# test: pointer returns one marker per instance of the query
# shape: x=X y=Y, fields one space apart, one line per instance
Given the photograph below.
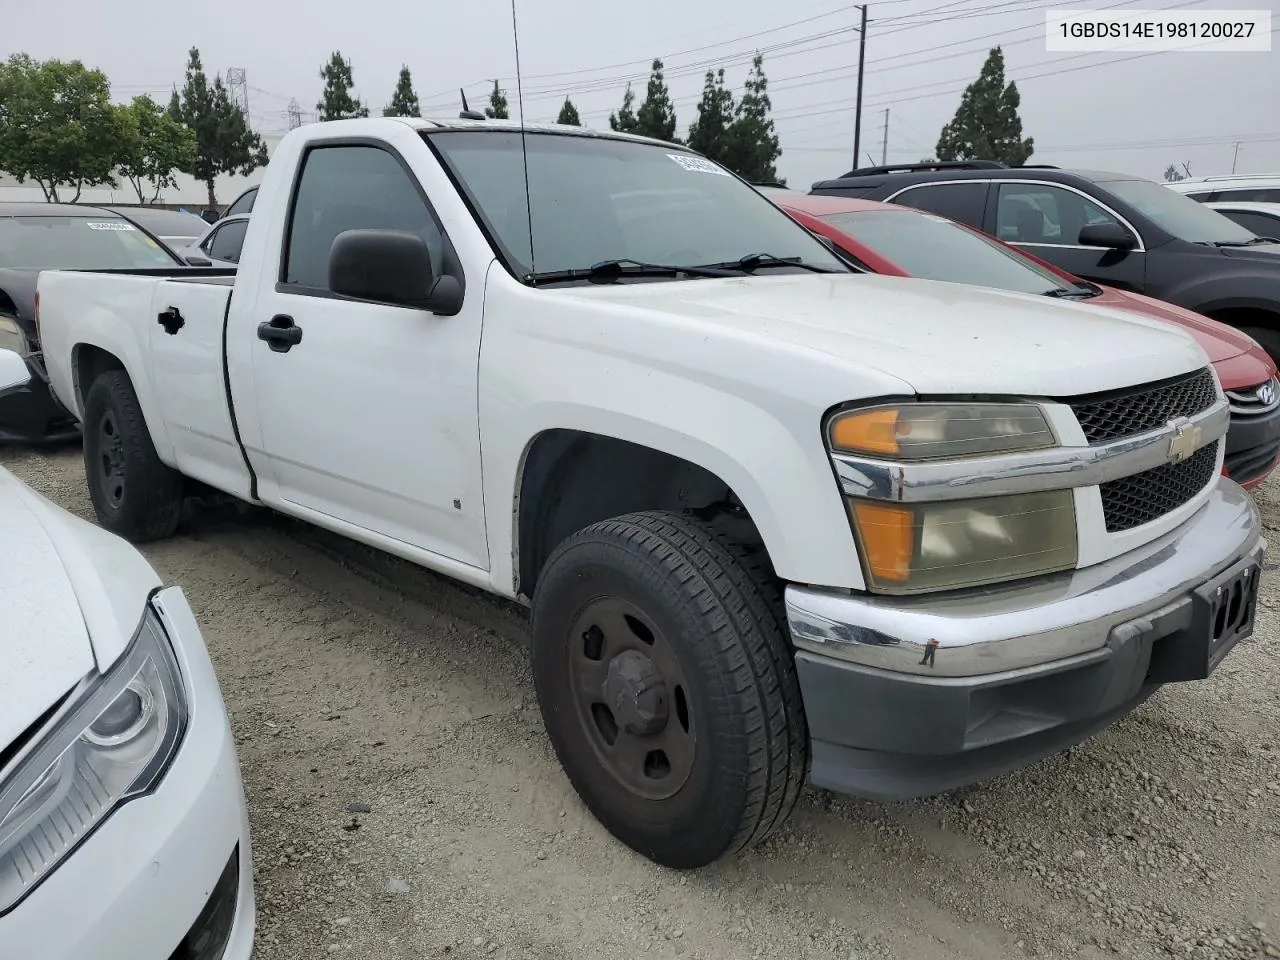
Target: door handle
x=280 y=333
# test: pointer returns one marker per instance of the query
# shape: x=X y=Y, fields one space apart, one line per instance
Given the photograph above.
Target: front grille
x=1255 y=400
x=1132 y=501
x=1122 y=413
x=1252 y=462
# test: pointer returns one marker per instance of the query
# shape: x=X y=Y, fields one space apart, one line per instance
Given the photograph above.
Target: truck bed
x=180 y=371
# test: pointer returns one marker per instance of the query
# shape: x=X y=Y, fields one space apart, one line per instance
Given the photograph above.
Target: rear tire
x=655 y=631
x=134 y=494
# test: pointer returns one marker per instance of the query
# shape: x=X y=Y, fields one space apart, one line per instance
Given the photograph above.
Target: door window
x=227 y=240
x=352 y=188
x=1262 y=194
x=1038 y=213
x=244 y=203
x=955 y=200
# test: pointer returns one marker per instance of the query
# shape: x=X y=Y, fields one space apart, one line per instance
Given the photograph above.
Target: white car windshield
x=601 y=199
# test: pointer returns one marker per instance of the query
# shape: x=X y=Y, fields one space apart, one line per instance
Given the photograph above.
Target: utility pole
x=862 y=56
x=295 y=115
x=1235 y=156
x=884 y=141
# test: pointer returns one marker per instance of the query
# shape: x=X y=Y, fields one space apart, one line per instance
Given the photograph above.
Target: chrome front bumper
x=1055 y=618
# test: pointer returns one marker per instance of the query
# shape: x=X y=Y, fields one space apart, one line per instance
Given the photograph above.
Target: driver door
x=370 y=419
x=1046 y=219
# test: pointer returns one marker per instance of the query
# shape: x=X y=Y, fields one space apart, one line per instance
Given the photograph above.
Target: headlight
x=913 y=548
x=113 y=745
x=932 y=431
x=12 y=337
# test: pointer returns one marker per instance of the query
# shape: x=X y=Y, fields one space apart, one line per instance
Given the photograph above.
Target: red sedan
x=902 y=241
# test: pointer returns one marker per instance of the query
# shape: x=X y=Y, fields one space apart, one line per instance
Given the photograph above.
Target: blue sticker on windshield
x=697 y=164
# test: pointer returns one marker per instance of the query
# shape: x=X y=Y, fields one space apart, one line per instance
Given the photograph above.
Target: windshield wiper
x=1080 y=291
x=756 y=261
x=1245 y=243
x=607 y=271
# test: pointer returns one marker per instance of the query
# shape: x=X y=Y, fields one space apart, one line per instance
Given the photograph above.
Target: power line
x=893 y=97
x=774 y=52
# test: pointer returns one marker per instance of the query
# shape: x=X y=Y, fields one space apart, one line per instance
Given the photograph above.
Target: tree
x=497 y=108
x=1172 y=174
x=336 y=102
x=657 y=115
x=624 y=121
x=709 y=134
x=569 y=114
x=155 y=145
x=224 y=142
x=986 y=125
x=58 y=126
x=404 y=102
x=752 y=143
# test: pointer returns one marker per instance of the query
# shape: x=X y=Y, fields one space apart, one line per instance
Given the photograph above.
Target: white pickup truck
x=775 y=518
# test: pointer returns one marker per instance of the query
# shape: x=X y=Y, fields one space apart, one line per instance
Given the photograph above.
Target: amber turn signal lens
x=871 y=431
x=888 y=538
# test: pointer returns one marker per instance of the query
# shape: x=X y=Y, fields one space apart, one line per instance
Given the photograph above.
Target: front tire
x=134 y=494
x=668 y=687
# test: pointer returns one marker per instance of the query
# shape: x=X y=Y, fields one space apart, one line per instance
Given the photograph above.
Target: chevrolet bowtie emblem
x=1185 y=440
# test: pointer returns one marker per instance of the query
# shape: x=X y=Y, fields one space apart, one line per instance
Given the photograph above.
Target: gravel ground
x=406 y=804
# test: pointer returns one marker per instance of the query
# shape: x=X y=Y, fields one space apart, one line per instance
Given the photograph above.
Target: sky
x=1124 y=112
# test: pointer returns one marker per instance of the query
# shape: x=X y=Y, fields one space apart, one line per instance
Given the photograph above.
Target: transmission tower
x=295 y=114
x=238 y=89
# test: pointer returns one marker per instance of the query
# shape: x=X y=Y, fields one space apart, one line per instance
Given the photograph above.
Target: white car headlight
x=114 y=744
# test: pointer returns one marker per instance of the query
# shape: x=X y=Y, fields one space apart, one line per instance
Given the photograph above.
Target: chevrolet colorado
x=775 y=519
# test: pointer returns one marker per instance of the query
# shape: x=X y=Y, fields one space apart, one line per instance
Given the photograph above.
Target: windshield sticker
x=697 y=164
x=109 y=225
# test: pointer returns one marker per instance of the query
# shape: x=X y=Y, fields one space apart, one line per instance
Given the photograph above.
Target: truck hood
x=71 y=597
x=1219 y=341
x=936 y=337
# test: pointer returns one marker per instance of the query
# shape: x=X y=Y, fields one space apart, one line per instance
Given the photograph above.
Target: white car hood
x=937 y=337
x=71 y=597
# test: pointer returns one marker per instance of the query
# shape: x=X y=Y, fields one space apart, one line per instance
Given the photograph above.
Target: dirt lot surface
x=406 y=804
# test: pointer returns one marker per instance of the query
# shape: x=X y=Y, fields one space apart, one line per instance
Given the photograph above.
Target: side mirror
x=1110 y=235
x=210 y=216
x=13 y=371
x=194 y=261
x=391 y=266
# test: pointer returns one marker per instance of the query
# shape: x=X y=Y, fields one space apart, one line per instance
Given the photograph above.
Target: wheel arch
x=570 y=478
x=89 y=361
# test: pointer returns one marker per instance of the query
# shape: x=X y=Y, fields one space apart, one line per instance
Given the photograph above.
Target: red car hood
x=1218 y=340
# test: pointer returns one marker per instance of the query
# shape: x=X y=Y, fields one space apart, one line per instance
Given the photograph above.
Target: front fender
x=748 y=412
x=1236 y=291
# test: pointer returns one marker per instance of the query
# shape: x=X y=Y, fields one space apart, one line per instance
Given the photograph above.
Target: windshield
x=597 y=199
x=934 y=248
x=77 y=243
x=168 y=223
x=1177 y=214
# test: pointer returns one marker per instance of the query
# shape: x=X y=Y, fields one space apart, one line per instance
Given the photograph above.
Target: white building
x=192 y=194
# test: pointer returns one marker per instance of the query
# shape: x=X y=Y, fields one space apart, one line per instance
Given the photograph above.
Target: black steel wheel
x=135 y=495
x=667 y=686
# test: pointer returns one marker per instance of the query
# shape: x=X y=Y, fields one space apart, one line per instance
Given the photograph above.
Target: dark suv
x=1111 y=228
